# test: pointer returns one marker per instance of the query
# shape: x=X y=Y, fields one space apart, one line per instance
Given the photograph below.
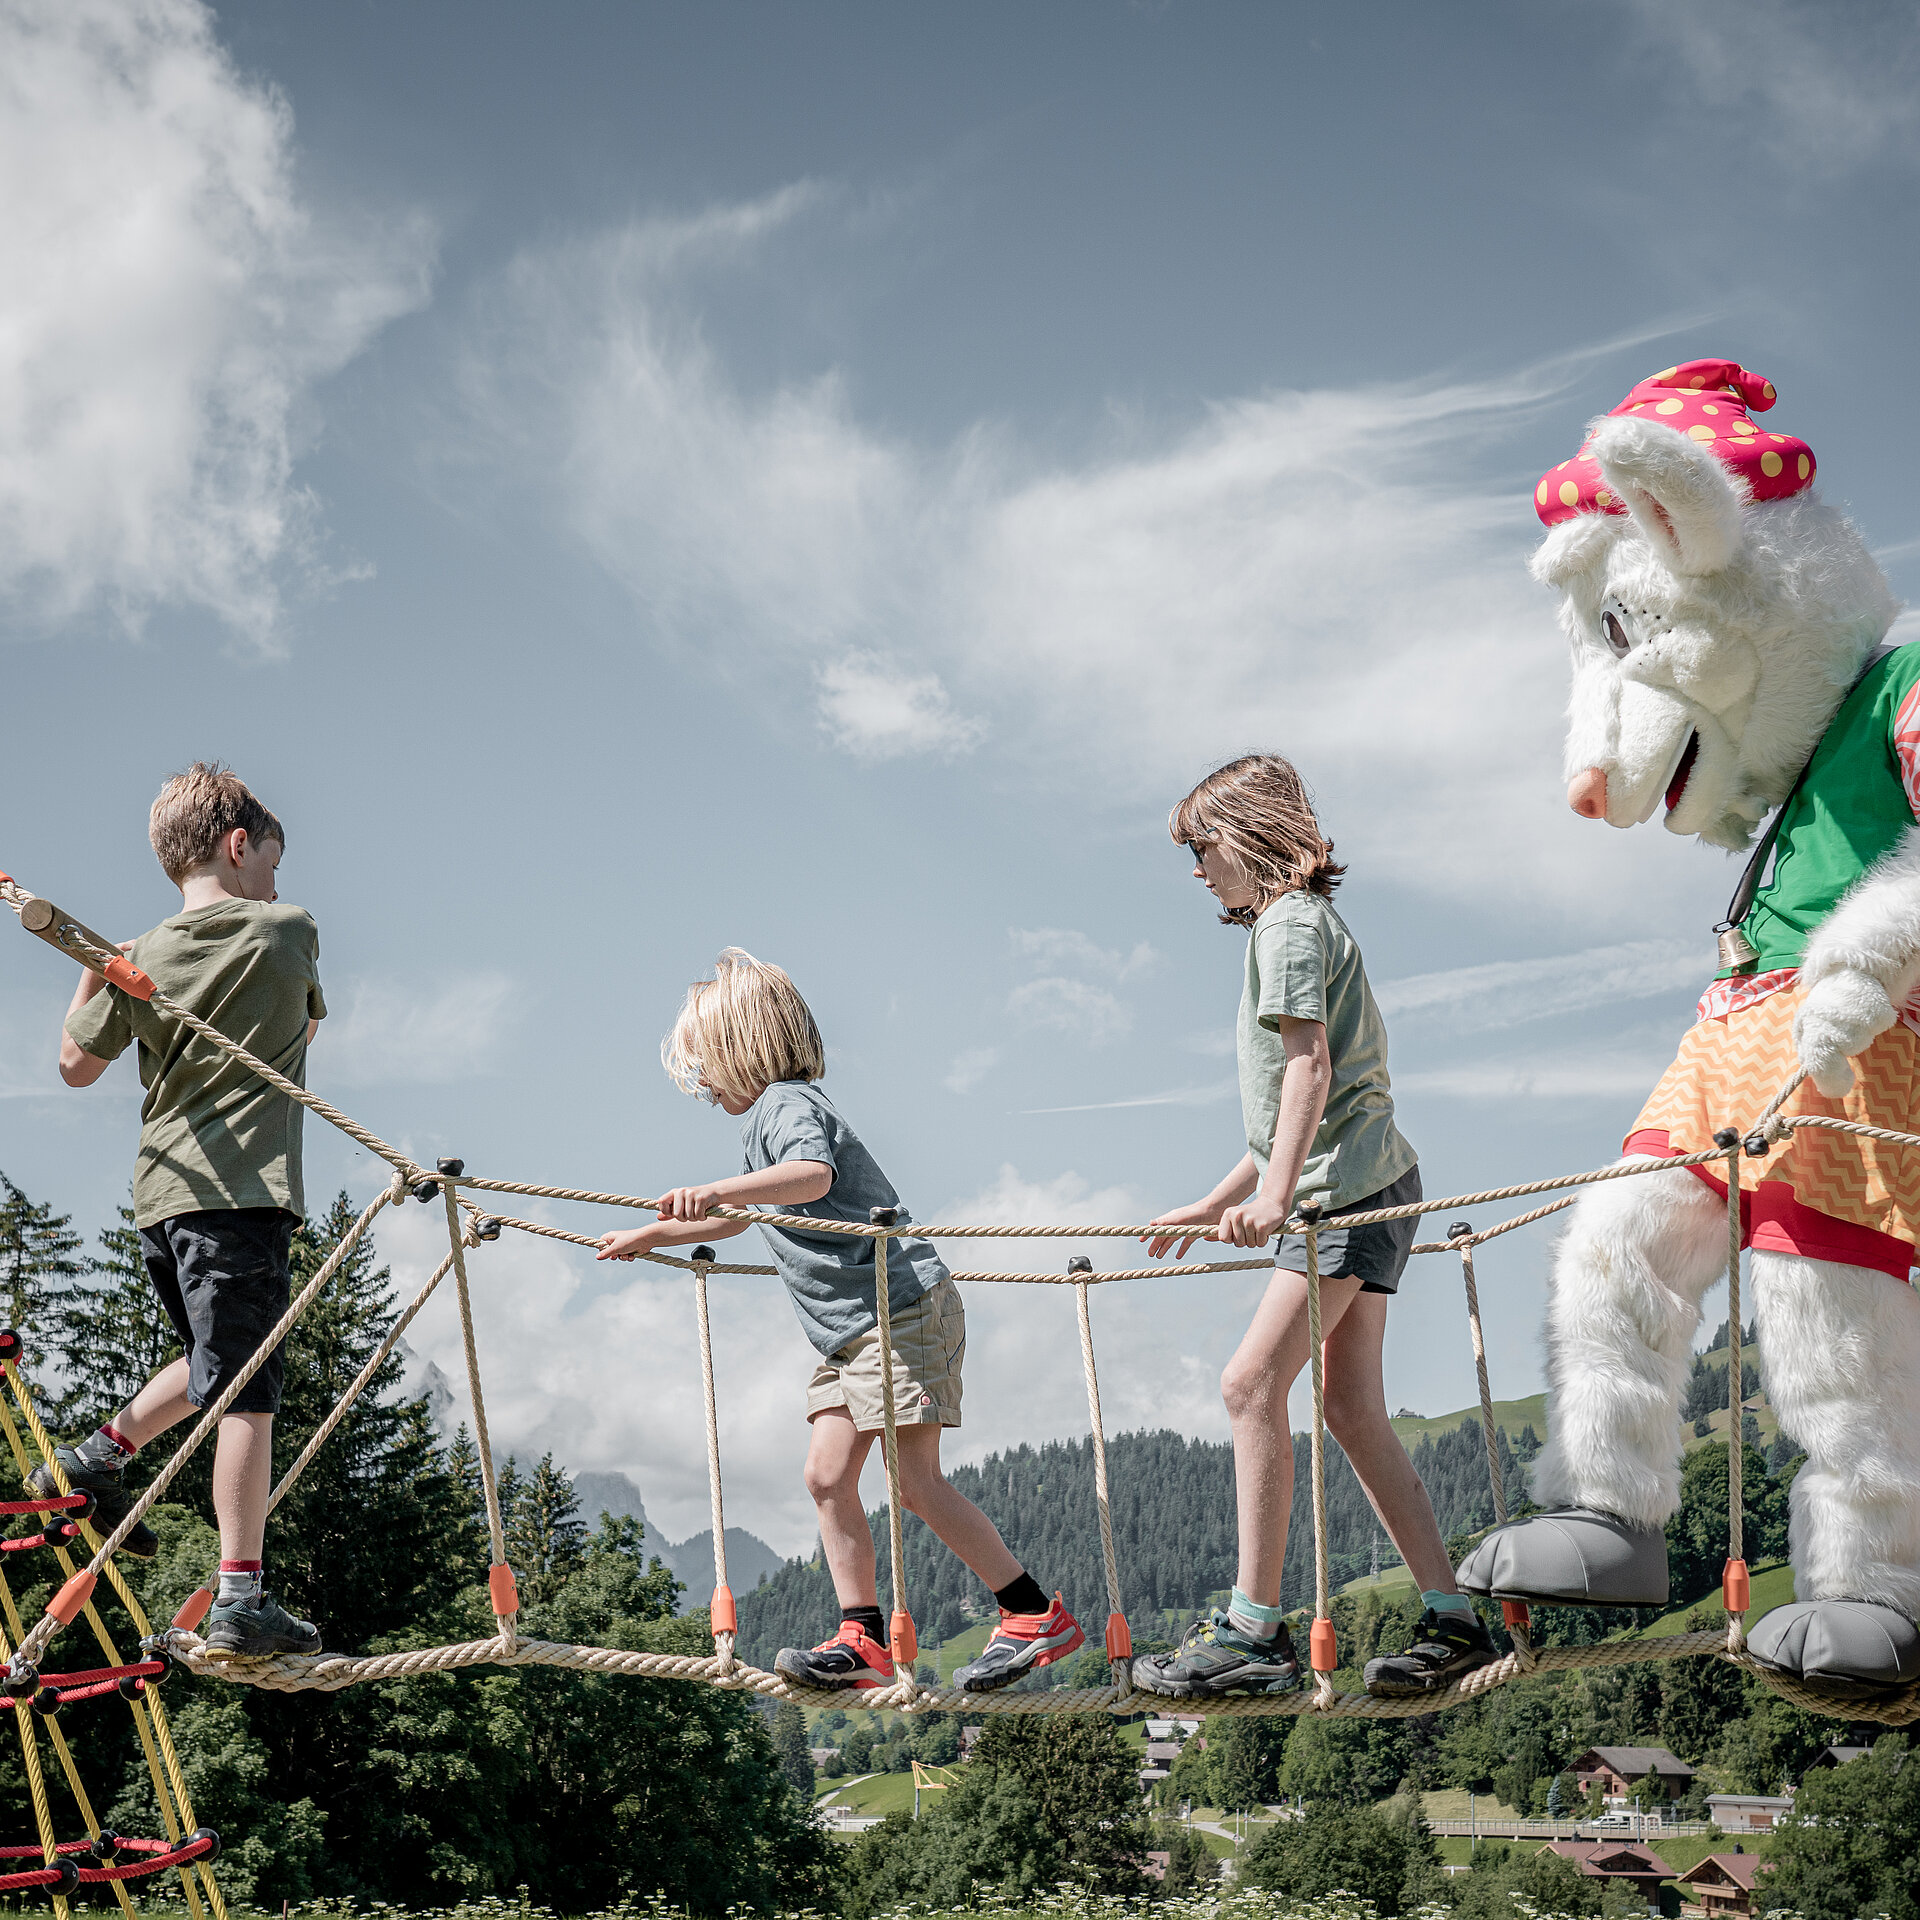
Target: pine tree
x=111 y=1335
x=39 y=1265
x=546 y=1542
x=790 y=1744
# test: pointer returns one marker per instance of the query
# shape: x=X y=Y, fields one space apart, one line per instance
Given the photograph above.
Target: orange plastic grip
x=66 y=1604
x=193 y=1609
x=501 y=1589
x=901 y=1637
x=1734 y=1588
x=720 y=1614
x=1119 y=1637
x=1321 y=1647
x=1515 y=1614
x=128 y=978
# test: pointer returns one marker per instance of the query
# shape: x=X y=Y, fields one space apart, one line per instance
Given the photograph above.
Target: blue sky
x=623 y=480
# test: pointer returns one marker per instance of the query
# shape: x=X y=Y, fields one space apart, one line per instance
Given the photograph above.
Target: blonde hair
x=742 y=1030
x=196 y=810
x=1257 y=808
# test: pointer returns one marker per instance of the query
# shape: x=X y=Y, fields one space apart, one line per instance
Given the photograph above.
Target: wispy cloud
x=1201 y=1096
x=1064 y=947
x=970 y=1067
x=382 y=1033
x=1507 y=993
x=167 y=303
x=1575 y=1076
x=1069 y=1006
x=1118 y=620
x=1832 y=87
x=874 y=711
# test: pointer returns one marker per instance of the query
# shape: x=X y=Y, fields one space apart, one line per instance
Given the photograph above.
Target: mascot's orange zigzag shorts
x=1822 y=1195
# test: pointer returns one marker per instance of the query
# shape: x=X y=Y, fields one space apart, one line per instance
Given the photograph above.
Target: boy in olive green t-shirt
x=217 y=1189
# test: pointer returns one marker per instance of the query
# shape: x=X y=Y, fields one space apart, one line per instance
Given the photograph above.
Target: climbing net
x=469 y=1227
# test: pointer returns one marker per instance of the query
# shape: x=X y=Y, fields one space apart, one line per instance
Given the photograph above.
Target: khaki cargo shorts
x=929 y=1343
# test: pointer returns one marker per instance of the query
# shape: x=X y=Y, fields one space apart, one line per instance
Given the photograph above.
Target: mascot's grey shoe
x=1574 y=1557
x=1845 y=1648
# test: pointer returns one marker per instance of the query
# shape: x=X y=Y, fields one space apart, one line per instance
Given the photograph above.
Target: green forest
x=586 y=1791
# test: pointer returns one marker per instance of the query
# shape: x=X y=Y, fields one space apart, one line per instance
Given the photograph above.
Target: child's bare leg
x=924 y=1490
x=1357 y=1418
x=242 y=1480
x=836 y=1452
x=160 y=1404
x=1255 y=1386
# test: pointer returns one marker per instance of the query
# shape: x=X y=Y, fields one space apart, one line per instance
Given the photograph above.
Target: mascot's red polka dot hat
x=1709 y=401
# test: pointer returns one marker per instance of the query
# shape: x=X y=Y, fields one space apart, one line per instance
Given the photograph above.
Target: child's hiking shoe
x=1021 y=1643
x=852 y=1658
x=254 y=1629
x=1446 y=1645
x=1216 y=1658
x=110 y=1499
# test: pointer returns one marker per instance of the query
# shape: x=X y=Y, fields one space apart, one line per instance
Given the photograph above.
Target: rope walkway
x=468 y=1229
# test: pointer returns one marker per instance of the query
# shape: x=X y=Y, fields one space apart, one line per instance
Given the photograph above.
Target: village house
x=1748 y=1812
x=1721 y=1884
x=1618 y=1770
x=1829 y=1757
x=1629 y=1862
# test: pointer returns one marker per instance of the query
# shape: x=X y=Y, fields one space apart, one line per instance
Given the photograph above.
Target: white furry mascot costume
x=1728 y=658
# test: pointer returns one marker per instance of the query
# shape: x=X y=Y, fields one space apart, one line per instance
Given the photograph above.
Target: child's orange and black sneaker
x=854 y=1657
x=1021 y=1643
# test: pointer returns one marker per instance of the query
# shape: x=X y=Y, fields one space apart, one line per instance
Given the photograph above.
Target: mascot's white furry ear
x=1680 y=495
x=1574 y=547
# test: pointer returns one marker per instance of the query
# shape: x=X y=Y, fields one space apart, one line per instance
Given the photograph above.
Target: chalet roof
x=1611 y=1857
x=1624 y=1760
x=1738 y=1868
x=1837 y=1756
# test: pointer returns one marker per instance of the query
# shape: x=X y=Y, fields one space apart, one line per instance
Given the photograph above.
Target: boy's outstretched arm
x=78 y=1068
x=630 y=1242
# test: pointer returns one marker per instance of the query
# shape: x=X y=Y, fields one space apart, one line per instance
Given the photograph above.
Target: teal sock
x=1251 y=1618
x=1446 y=1602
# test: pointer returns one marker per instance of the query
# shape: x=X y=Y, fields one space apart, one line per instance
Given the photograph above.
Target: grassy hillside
x=1772 y=1585
x=1510 y=1416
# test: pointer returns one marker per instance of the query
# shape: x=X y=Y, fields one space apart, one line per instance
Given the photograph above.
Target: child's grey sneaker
x=1216 y=1658
x=110 y=1499
x=1446 y=1644
x=255 y=1629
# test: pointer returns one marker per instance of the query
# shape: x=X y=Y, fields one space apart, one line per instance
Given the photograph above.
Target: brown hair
x=197 y=809
x=1257 y=808
x=742 y=1030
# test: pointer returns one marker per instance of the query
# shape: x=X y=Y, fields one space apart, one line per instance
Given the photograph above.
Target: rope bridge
x=469 y=1228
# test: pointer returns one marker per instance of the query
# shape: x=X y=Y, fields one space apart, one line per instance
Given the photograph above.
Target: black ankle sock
x=868 y=1618
x=1022 y=1596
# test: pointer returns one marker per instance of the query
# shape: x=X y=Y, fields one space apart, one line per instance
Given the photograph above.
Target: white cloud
x=1061 y=947
x=970 y=1067
x=1508 y=993
x=1566 y=1076
x=167 y=302
x=875 y=712
x=1201 y=1096
x=1075 y=1007
x=1830 y=86
x=380 y=1033
x=1326 y=571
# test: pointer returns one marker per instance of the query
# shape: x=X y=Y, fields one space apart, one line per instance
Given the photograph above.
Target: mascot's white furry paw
x=1842 y=1015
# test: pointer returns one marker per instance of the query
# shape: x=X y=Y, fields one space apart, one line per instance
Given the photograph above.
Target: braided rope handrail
x=331 y=1672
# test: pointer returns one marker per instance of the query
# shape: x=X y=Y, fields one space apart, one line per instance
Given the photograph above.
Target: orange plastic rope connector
x=1119 y=1637
x=500 y=1586
x=901 y=1638
x=1322 y=1649
x=1515 y=1614
x=66 y=1604
x=1735 y=1589
x=721 y=1617
x=193 y=1609
x=128 y=978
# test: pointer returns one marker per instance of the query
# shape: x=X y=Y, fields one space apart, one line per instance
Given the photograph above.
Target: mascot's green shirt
x=1860 y=795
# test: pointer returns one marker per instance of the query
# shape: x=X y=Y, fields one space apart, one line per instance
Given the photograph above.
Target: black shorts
x=1377 y=1254
x=223 y=1279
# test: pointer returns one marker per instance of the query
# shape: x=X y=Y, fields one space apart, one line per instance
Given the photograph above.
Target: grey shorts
x=223 y=1279
x=1376 y=1254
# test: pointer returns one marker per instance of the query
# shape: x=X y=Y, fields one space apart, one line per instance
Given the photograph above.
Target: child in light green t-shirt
x=1320 y=1129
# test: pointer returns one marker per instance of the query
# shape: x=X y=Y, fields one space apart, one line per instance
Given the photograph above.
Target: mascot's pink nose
x=1587 y=794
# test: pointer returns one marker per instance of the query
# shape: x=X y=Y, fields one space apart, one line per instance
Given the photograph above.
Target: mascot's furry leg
x=1841 y=1349
x=1627 y=1282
